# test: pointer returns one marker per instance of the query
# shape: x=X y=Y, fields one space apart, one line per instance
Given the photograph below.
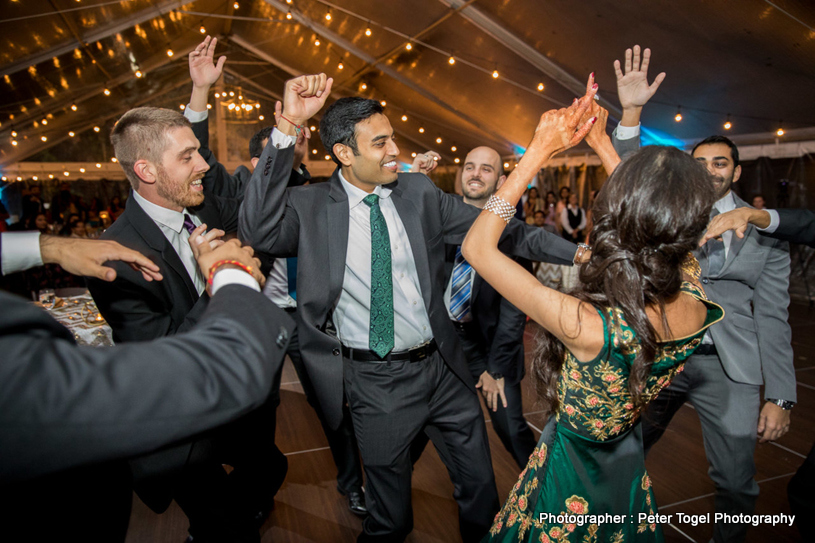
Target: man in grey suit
x=747 y=276
x=373 y=326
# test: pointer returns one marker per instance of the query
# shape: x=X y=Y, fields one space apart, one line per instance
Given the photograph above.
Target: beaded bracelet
x=297 y=127
x=220 y=263
x=500 y=207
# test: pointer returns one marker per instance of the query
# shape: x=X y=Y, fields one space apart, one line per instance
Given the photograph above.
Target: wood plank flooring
x=309 y=509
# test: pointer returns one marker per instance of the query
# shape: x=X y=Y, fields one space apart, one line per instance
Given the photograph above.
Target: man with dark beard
x=748 y=276
x=159 y=154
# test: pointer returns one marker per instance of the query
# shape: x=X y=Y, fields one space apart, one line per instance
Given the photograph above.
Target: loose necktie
x=715 y=252
x=291 y=272
x=381 y=323
x=461 y=287
x=188 y=224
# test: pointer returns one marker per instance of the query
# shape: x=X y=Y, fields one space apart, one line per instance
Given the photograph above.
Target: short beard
x=172 y=192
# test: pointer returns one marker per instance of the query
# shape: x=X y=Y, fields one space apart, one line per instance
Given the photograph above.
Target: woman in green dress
x=610 y=346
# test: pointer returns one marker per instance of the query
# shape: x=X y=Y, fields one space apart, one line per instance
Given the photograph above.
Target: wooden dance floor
x=308 y=507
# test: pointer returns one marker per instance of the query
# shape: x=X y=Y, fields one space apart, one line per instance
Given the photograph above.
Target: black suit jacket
x=311 y=222
x=796 y=225
x=70 y=415
x=500 y=324
x=138 y=310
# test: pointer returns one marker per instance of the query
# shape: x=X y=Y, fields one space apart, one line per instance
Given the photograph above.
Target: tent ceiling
x=753 y=59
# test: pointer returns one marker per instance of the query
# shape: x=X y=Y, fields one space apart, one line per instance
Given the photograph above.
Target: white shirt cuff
x=232 y=276
x=774 y=222
x=281 y=140
x=195 y=116
x=627 y=132
x=21 y=251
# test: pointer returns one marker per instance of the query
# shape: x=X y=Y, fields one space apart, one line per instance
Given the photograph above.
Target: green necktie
x=381 y=334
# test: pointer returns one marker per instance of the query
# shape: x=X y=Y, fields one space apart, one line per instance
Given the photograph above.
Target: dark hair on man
x=539 y=211
x=339 y=123
x=648 y=217
x=256 y=143
x=734 y=151
x=141 y=133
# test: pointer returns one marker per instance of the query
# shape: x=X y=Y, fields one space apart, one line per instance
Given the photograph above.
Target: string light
x=209 y=106
x=13 y=133
x=368 y=32
x=98 y=165
x=438 y=140
x=261 y=117
x=43 y=138
x=35 y=178
x=314 y=151
x=317 y=43
x=451 y=60
x=328 y=15
x=181 y=106
x=236 y=5
x=288 y=15
x=413 y=155
x=288 y=1
x=408 y=46
x=71 y=133
x=421 y=130
x=313 y=128
x=327 y=157
x=383 y=103
x=454 y=148
x=14 y=143
x=506 y=165
x=495 y=74
x=678 y=116
x=202 y=30
x=340 y=66
x=727 y=124
x=780 y=132
x=114 y=159
x=457 y=160
x=96 y=129
x=169 y=52
x=138 y=73
x=541 y=87
x=44 y=121
x=363 y=86
x=81 y=170
x=73 y=107
x=404 y=118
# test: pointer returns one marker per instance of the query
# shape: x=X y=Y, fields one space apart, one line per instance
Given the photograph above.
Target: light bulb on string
x=288 y=15
x=202 y=30
x=727 y=124
x=383 y=103
x=72 y=134
x=413 y=155
x=328 y=15
x=317 y=43
x=73 y=107
x=404 y=118
x=421 y=130
x=780 y=132
x=451 y=60
x=457 y=160
x=340 y=66
x=236 y=5
x=13 y=133
x=43 y=138
x=408 y=46
x=368 y=32
x=138 y=73
x=96 y=129
x=454 y=148
x=438 y=140
x=541 y=87
x=364 y=86
x=678 y=116
x=495 y=74
x=261 y=117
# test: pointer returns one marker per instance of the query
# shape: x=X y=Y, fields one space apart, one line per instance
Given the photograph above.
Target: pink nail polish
x=592 y=75
x=593 y=120
x=595 y=86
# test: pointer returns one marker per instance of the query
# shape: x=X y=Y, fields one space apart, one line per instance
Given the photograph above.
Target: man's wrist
x=631 y=116
x=786 y=405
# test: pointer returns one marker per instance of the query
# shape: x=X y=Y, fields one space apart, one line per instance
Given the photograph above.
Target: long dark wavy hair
x=648 y=216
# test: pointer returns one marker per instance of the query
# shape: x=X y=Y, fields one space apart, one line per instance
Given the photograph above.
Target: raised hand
x=204 y=72
x=301 y=143
x=303 y=97
x=425 y=162
x=633 y=89
x=561 y=129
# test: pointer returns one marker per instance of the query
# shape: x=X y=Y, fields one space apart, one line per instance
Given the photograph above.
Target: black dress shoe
x=356 y=503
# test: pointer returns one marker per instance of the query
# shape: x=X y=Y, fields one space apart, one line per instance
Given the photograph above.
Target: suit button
x=335 y=352
x=282 y=337
x=705 y=281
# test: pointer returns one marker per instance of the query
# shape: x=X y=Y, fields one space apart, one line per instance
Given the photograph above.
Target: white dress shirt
x=353 y=314
x=723 y=205
x=171 y=224
x=277 y=285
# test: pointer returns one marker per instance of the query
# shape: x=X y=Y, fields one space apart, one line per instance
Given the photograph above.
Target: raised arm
x=578 y=327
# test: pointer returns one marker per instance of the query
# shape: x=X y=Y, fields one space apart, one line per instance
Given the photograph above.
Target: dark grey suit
x=69 y=415
x=312 y=222
x=753 y=348
x=796 y=226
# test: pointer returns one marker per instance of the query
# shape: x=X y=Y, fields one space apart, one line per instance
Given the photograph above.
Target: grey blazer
x=311 y=222
x=753 y=340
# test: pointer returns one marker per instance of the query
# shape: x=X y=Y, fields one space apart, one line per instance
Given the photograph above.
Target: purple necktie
x=188 y=224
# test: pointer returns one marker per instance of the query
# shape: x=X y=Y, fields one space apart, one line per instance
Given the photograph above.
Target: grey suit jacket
x=796 y=226
x=753 y=340
x=311 y=222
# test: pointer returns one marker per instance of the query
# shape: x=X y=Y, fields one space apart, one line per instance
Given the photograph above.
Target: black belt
x=414 y=355
x=706 y=349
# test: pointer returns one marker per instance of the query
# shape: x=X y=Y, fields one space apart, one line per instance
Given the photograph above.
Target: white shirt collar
x=725 y=203
x=356 y=194
x=173 y=220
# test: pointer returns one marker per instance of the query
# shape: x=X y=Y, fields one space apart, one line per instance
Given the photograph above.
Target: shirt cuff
x=21 y=251
x=281 y=140
x=775 y=220
x=232 y=276
x=627 y=132
x=195 y=116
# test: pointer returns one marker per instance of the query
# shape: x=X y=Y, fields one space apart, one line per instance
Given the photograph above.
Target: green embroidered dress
x=589 y=466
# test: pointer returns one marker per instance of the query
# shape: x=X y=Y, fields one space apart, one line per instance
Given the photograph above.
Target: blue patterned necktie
x=715 y=252
x=381 y=324
x=461 y=287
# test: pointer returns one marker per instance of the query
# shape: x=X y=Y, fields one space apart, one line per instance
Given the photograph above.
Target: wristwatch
x=497 y=375
x=786 y=405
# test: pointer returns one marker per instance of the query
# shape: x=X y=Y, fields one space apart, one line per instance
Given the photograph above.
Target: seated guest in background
x=758 y=202
x=157 y=150
x=63 y=440
x=610 y=347
x=39 y=222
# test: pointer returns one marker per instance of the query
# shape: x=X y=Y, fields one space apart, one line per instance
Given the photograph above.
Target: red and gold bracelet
x=221 y=263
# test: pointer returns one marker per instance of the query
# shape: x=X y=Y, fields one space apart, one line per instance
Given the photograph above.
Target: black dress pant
x=391 y=403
